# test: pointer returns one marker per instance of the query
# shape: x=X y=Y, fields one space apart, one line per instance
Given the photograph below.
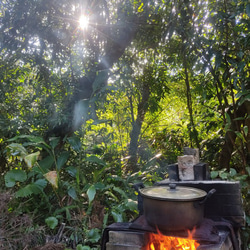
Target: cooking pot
x=174 y=207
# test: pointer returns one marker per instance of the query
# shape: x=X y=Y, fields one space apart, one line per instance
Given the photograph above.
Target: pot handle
x=209 y=194
x=137 y=186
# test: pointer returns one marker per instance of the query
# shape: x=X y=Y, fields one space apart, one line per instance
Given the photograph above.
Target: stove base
x=134 y=240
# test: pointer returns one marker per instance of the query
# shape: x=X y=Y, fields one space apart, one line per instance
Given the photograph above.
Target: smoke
x=80 y=113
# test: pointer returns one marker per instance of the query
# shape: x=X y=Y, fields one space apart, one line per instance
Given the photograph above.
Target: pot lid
x=173 y=193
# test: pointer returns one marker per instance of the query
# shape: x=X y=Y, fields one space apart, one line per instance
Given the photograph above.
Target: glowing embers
x=162 y=242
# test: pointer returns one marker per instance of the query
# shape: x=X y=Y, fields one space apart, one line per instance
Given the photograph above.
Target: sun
x=83 y=22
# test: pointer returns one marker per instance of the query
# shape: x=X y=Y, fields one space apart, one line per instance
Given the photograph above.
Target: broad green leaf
x=72 y=193
x=223 y=175
x=17 y=149
x=46 y=163
x=75 y=143
x=100 y=186
x=117 y=216
x=13 y=176
x=31 y=138
x=81 y=247
x=94 y=235
x=214 y=174
x=31 y=159
x=239 y=135
x=72 y=171
x=41 y=182
x=244 y=99
x=33 y=188
x=232 y=172
x=97 y=174
x=120 y=191
x=51 y=222
x=62 y=159
x=54 y=141
x=91 y=192
x=95 y=159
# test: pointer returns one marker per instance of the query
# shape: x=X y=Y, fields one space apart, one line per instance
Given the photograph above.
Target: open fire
x=162 y=242
x=223 y=216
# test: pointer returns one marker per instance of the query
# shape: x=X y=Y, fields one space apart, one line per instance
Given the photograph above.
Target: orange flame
x=162 y=242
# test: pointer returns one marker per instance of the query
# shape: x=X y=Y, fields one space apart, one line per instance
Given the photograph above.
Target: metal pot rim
x=168 y=193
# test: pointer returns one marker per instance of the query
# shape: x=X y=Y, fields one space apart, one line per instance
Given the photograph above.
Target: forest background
x=90 y=107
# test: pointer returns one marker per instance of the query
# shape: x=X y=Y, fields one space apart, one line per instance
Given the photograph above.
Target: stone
x=186 y=167
x=194 y=152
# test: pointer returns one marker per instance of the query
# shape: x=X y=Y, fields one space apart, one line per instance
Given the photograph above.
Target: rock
x=186 y=167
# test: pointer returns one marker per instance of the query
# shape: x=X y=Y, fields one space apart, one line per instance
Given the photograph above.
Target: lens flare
x=83 y=22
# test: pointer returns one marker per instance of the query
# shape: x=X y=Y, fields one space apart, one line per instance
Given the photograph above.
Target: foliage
x=17 y=230
x=145 y=79
x=75 y=199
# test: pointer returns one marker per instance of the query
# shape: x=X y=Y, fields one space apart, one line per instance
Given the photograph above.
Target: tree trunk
x=136 y=129
x=192 y=131
x=230 y=137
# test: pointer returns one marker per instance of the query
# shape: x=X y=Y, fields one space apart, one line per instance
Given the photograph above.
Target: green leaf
x=51 y=222
x=232 y=172
x=223 y=175
x=54 y=141
x=248 y=170
x=131 y=205
x=99 y=186
x=218 y=60
x=91 y=192
x=245 y=129
x=95 y=159
x=120 y=191
x=100 y=79
x=31 y=138
x=13 y=176
x=46 y=163
x=41 y=183
x=62 y=159
x=72 y=171
x=228 y=118
x=17 y=149
x=248 y=9
x=72 y=193
x=241 y=66
x=117 y=216
x=94 y=235
x=31 y=159
x=75 y=143
x=101 y=121
x=81 y=247
x=214 y=174
x=33 y=188
x=239 y=135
